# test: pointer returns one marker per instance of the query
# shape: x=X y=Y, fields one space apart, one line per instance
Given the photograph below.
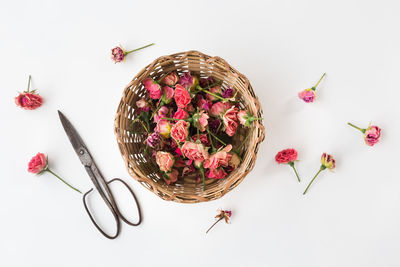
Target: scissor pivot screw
x=81 y=152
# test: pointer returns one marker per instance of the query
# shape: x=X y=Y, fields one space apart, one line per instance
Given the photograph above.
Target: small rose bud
x=308 y=95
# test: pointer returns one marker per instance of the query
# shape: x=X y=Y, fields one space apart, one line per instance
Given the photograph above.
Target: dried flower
x=180 y=131
x=118 y=53
x=245 y=118
x=222 y=214
x=171 y=177
x=153 y=88
x=142 y=105
x=167 y=94
x=214 y=125
x=165 y=161
x=170 y=79
x=29 y=100
x=230 y=121
x=163 y=127
x=308 y=95
x=288 y=156
x=39 y=164
x=154 y=140
x=327 y=162
x=182 y=96
x=227 y=93
x=204 y=82
x=371 y=135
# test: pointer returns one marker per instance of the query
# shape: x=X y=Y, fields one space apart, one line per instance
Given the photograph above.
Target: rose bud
x=161 y=113
x=118 y=54
x=230 y=121
x=165 y=161
x=171 y=177
x=29 y=100
x=39 y=164
x=219 y=108
x=308 y=95
x=153 y=88
x=201 y=120
x=222 y=215
x=168 y=94
x=170 y=79
x=182 y=96
x=180 y=131
x=288 y=156
x=142 y=105
x=245 y=118
x=327 y=162
x=154 y=140
x=163 y=127
x=371 y=135
x=181 y=114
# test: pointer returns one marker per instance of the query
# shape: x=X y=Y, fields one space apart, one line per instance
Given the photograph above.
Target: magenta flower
x=308 y=95
x=371 y=135
x=227 y=93
x=154 y=140
x=118 y=54
x=186 y=80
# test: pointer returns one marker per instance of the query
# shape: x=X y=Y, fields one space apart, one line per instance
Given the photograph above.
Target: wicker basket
x=142 y=166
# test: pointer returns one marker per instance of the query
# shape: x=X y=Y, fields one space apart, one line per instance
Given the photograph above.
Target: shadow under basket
x=143 y=167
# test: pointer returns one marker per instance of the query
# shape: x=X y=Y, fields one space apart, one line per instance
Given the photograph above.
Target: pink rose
x=142 y=105
x=203 y=121
x=307 y=95
x=219 y=158
x=165 y=160
x=219 y=108
x=171 y=177
x=203 y=139
x=216 y=173
x=230 y=121
x=215 y=90
x=38 y=163
x=170 y=79
x=181 y=114
x=180 y=130
x=372 y=135
x=242 y=117
x=153 y=88
x=161 y=113
x=186 y=80
x=163 y=127
x=168 y=93
x=117 y=54
x=28 y=101
x=182 y=96
x=195 y=151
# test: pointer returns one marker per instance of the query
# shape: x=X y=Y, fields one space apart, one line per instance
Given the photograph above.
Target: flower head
x=230 y=121
x=307 y=95
x=181 y=114
x=28 y=101
x=220 y=158
x=222 y=215
x=142 y=105
x=219 y=173
x=286 y=156
x=165 y=160
x=195 y=151
x=182 y=96
x=117 y=54
x=180 y=130
x=167 y=94
x=161 y=113
x=245 y=118
x=219 y=108
x=170 y=79
x=153 y=88
x=171 y=177
x=372 y=135
x=37 y=164
x=328 y=161
x=215 y=90
x=204 y=82
x=186 y=80
x=154 y=140
x=163 y=127
x=227 y=93
x=201 y=120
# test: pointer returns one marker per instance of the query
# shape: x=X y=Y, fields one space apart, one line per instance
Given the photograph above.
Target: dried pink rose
x=171 y=177
x=371 y=135
x=180 y=130
x=165 y=160
x=308 y=95
x=143 y=105
x=29 y=100
x=170 y=79
x=118 y=54
x=230 y=121
x=222 y=214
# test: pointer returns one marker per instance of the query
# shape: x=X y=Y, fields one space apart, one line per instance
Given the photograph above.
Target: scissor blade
x=72 y=134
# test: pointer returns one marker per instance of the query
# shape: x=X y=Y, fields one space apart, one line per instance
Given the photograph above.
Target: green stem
x=214 y=95
x=126 y=53
x=358 y=128
x=29 y=83
x=213 y=149
x=320 y=170
x=315 y=86
x=291 y=164
x=214 y=224
x=50 y=171
x=219 y=140
x=162 y=77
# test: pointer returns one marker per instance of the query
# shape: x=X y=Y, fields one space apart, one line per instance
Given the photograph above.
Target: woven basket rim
x=216 y=65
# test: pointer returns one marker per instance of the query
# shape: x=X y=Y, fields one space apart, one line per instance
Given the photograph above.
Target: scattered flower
x=327 y=162
x=222 y=215
x=29 y=100
x=118 y=54
x=371 y=135
x=39 y=164
x=308 y=95
x=288 y=156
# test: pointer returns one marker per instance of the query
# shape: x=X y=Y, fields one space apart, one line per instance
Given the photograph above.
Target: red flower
x=29 y=100
x=216 y=173
x=286 y=156
x=182 y=96
x=181 y=114
x=38 y=163
x=153 y=88
x=203 y=139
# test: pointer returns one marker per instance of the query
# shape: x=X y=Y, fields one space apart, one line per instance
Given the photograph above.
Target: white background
x=350 y=217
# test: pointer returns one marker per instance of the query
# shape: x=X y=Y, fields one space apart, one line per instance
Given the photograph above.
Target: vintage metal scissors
x=99 y=182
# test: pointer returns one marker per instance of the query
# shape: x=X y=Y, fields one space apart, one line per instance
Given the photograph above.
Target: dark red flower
x=286 y=156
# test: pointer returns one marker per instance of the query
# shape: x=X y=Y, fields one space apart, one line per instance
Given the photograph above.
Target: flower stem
x=138 y=48
x=162 y=77
x=214 y=224
x=213 y=149
x=50 y=171
x=315 y=86
x=214 y=95
x=29 y=83
x=320 y=170
x=358 y=128
x=291 y=164
x=219 y=140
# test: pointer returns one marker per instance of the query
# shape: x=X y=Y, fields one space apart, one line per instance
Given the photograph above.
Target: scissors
x=99 y=182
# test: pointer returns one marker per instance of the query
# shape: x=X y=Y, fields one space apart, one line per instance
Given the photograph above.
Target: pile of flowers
x=190 y=124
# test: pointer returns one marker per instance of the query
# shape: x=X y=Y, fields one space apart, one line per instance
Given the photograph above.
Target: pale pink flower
x=165 y=160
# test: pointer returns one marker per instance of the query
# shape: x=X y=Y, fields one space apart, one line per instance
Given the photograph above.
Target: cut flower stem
x=320 y=170
x=291 y=164
x=358 y=128
x=126 y=53
x=62 y=180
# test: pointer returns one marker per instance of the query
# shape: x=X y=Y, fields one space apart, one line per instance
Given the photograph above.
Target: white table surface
x=349 y=218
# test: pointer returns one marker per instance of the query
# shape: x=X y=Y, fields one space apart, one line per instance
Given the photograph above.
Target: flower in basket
x=327 y=162
x=230 y=121
x=153 y=88
x=203 y=139
x=200 y=120
x=288 y=156
x=167 y=94
x=227 y=93
x=188 y=81
x=181 y=114
x=165 y=161
x=39 y=164
x=171 y=177
x=308 y=95
x=182 y=96
x=170 y=79
x=118 y=54
x=154 y=140
x=195 y=151
x=222 y=215
x=143 y=105
x=163 y=127
x=220 y=158
x=180 y=131
x=28 y=100
x=216 y=90
x=245 y=118
x=219 y=108
x=372 y=134
x=161 y=113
